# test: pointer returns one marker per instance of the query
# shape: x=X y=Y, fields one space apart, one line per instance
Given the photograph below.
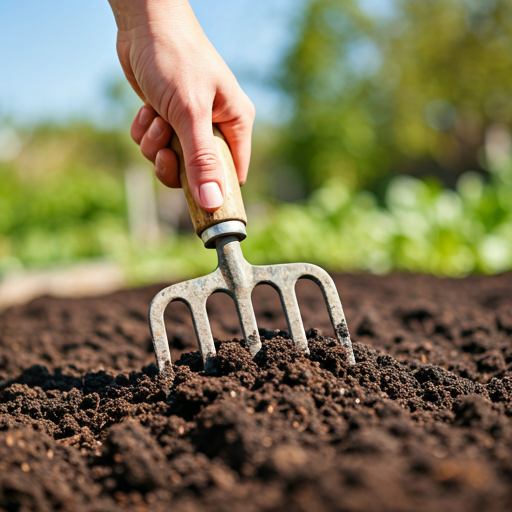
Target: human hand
x=173 y=67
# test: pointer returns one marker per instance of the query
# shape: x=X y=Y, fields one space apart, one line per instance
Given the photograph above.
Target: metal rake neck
x=232 y=264
x=238 y=278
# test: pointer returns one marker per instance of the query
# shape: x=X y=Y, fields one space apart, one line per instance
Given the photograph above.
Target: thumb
x=205 y=173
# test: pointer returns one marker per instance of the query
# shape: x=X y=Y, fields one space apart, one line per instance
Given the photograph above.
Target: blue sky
x=56 y=57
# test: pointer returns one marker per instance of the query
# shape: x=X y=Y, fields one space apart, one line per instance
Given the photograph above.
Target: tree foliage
x=396 y=86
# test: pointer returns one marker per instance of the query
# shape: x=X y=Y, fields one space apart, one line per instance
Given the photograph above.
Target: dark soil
x=422 y=422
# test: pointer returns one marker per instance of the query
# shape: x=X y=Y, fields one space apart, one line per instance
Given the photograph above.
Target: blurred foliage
x=62 y=198
x=398 y=145
x=422 y=227
x=72 y=210
x=402 y=86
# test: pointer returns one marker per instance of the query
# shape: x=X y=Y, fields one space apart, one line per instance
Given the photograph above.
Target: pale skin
x=186 y=86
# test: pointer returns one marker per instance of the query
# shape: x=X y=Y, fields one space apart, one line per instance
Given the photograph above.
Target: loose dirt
x=422 y=422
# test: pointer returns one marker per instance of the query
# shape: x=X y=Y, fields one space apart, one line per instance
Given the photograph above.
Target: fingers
x=205 y=173
x=166 y=168
x=141 y=123
x=238 y=134
x=153 y=134
x=156 y=138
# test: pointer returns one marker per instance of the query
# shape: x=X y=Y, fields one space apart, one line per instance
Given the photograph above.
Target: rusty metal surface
x=236 y=277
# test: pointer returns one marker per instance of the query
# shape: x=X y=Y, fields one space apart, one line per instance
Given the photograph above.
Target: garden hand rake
x=224 y=229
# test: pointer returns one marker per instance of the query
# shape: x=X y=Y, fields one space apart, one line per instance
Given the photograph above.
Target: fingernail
x=155 y=130
x=144 y=116
x=159 y=165
x=210 y=195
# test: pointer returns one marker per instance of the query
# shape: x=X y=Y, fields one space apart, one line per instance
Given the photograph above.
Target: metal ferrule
x=231 y=227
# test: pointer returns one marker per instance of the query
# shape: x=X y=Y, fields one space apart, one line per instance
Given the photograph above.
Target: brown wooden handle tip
x=233 y=206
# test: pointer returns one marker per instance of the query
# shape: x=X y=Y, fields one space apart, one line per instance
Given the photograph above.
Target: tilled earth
x=422 y=422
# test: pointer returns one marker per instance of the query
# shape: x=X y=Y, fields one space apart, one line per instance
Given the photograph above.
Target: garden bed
x=422 y=422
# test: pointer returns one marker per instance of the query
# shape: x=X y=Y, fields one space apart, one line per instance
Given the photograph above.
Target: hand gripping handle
x=230 y=218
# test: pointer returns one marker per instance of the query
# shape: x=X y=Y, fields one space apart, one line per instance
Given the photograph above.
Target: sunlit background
x=382 y=143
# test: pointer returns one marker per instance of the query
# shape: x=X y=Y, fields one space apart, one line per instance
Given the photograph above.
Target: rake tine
x=292 y=314
x=194 y=294
x=157 y=328
x=333 y=303
x=238 y=282
x=248 y=321
x=203 y=334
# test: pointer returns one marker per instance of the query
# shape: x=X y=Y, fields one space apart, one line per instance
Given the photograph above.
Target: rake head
x=236 y=277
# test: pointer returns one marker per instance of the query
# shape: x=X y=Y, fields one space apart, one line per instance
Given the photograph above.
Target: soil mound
x=422 y=421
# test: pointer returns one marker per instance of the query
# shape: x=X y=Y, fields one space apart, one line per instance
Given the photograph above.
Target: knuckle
x=251 y=110
x=187 y=108
x=147 y=152
x=191 y=107
x=204 y=160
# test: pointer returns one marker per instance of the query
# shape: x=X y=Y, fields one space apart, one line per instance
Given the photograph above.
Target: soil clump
x=422 y=421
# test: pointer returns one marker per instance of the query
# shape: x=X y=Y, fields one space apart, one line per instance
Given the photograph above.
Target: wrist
x=130 y=14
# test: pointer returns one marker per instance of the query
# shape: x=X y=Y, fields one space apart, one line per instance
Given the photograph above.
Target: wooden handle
x=233 y=206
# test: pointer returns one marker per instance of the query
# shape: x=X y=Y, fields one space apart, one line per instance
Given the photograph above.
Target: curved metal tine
x=192 y=293
x=293 y=316
x=283 y=278
x=157 y=326
x=332 y=300
x=203 y=334
x=247 y=319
